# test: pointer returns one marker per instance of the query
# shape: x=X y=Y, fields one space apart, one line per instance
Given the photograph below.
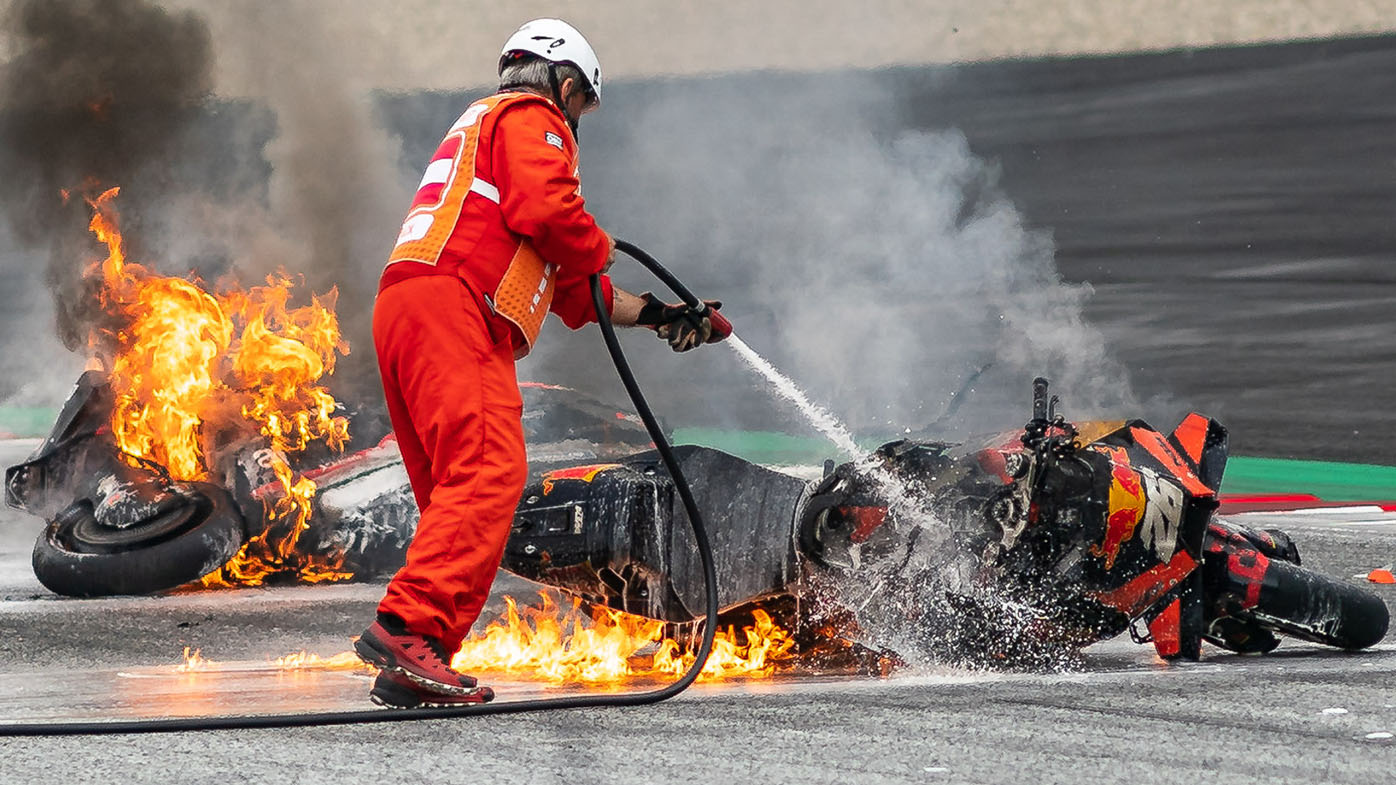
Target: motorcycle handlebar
x=1039 y=398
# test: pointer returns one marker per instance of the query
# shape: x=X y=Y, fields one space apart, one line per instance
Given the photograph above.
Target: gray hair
x=533 y=72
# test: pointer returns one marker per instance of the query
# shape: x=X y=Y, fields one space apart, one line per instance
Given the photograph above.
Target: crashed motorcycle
x=1019 y=549
x=119 y=524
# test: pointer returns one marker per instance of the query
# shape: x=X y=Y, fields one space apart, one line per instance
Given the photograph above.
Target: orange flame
x=560 y=645
x=187 y=365
x=193 y=661
x=306 y=661
x=766 y=645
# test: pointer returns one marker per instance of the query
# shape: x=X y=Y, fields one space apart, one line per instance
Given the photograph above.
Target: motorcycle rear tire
x=1301 y=603
x=77 y=556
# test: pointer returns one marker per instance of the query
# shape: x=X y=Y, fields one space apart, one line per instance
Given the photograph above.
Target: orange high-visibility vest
x=458 y=225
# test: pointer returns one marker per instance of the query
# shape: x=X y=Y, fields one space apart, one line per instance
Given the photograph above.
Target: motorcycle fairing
x=1203 y=441
x=1140 y=524
x=1169 y=599
x=1176 y=505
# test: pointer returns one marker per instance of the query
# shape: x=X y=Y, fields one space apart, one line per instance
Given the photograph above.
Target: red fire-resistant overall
x=498 y=235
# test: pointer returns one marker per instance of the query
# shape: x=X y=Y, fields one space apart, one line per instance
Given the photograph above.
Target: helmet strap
x=561 y=105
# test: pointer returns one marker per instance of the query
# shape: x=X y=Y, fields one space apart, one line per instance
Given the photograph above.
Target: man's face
x=577 y=99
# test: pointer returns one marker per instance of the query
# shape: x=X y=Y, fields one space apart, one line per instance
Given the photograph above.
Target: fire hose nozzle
x=722 y=327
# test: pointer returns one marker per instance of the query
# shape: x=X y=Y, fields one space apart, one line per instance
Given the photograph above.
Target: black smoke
x=95 y=94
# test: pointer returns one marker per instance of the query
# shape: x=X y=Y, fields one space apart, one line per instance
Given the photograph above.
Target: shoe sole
x=391 y=698
x=377 y=657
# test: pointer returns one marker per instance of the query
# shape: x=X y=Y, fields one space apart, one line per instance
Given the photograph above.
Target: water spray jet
x=823 y=421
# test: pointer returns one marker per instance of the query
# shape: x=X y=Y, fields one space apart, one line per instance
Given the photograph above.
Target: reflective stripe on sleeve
x=487 y=190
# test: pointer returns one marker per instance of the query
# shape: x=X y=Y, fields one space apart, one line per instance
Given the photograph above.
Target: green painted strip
x=769 y=447
x=1336 y=482
x=26 y=421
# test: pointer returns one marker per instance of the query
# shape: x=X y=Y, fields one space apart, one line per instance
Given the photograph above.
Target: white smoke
x=881 y=268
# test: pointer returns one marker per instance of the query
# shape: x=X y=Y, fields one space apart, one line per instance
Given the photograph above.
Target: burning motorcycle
x=1018 y=549
x=121 y=524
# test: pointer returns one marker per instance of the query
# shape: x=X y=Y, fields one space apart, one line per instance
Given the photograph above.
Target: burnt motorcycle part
x=115 y=524
x=847 y=516
x=822 y=531
x=363 y=514
x=123 y=505
x=615 y=534
x=73 y=456
x=1009 y=512
x=77 y=555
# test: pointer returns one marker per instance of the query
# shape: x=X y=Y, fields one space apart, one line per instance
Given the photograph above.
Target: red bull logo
x=1127 y=503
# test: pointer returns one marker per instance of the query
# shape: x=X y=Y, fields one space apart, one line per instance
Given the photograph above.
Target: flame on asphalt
x=564 y=645
x=561 y=644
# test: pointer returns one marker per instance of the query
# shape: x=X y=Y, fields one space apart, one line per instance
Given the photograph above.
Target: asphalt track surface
x=1294 y=344
x=1301 y=714
x=1232 y=211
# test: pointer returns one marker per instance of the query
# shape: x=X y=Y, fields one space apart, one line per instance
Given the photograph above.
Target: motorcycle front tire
x=76 y=556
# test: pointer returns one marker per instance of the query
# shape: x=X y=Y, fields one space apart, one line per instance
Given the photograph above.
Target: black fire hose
x=700 y=537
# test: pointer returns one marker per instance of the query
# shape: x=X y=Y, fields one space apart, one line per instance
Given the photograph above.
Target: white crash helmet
x=558 y=42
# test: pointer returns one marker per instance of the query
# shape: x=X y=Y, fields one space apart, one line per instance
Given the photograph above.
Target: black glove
x=682 y=325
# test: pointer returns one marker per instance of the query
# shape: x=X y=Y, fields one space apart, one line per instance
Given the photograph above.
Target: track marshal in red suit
x=497 y=237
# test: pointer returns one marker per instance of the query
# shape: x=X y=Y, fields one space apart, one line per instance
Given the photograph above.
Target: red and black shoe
x=420 y=659
x=396 y=691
